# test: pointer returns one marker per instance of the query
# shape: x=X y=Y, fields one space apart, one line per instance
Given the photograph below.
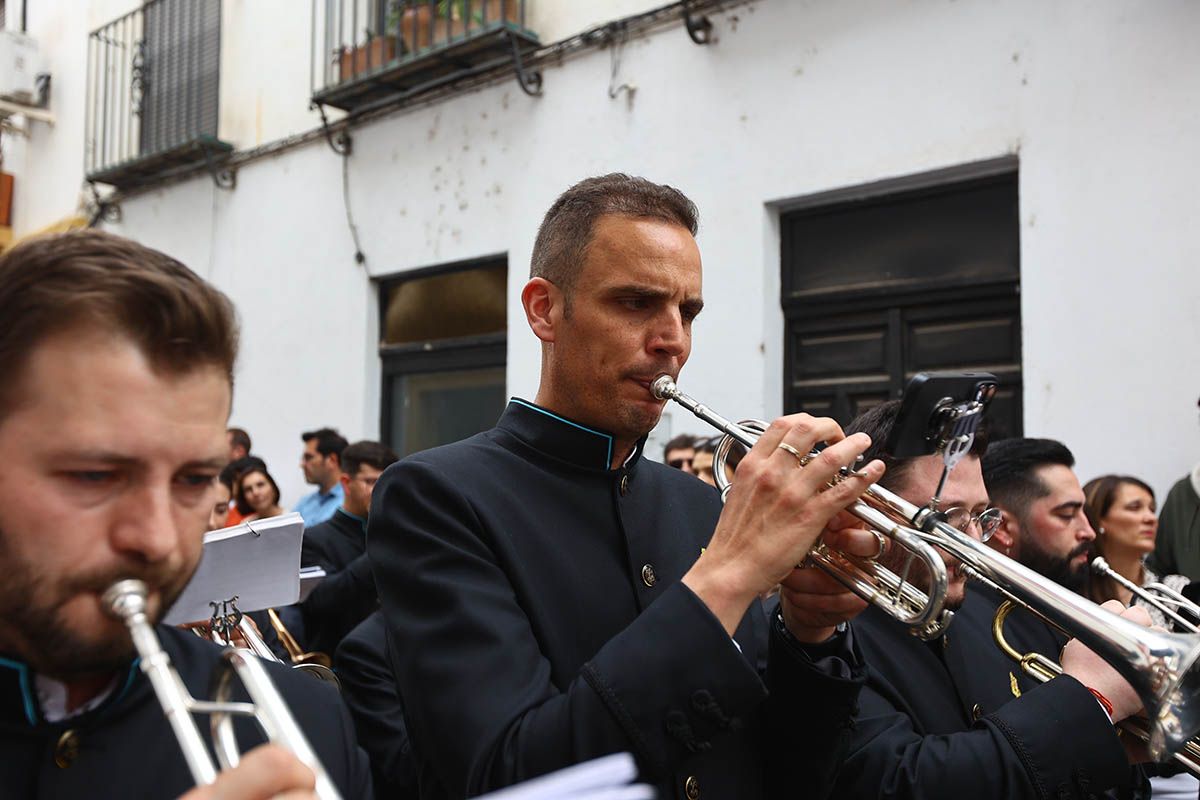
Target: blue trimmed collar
x=22 y=680
x=562 y=438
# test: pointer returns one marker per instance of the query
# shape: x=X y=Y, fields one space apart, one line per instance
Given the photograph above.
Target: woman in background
x=258 y=494
x=1122 y=510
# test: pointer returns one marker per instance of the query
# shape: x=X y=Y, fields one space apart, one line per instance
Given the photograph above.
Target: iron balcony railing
x=365 y=49
x=153 y=84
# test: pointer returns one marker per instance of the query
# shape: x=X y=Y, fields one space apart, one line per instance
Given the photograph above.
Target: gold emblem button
x=67 y=749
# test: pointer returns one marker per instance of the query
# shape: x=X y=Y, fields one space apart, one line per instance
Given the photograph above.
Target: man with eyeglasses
x=941 y=718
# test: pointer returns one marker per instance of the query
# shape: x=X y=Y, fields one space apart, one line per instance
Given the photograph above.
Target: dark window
x=900 y=278
x=443 y=353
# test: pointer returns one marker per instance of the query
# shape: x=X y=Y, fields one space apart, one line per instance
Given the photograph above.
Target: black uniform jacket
x=125 y=747
x=346 y=595
x=364 y=668
x=1026 y=633
x=922 y=733
x=533 y=600
x=334 y=543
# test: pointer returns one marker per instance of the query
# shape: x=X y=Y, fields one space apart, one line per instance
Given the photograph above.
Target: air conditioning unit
x=18 y=67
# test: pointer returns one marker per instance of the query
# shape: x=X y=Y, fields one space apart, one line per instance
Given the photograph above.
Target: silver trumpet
x=1161 y=667
x=126 y=600
x=227 y=618
x=1042 y=668
x=1158 y=595
x=921 y=610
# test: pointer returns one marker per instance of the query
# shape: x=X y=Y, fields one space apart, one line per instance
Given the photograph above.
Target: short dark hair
x=92 y=279
x=566 y=231
x=239 y=437
x=1008 y=471
x=227 y=476
x=878 y=422
x=733 y=457
x=373 y=454
x=233 y=471
x=329 y=441
x=684 y=441
x=242 y=505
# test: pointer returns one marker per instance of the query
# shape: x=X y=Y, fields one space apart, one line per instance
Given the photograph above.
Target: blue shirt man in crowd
x=322 y=465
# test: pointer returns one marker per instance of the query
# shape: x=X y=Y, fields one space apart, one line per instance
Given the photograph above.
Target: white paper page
x=605 y=778
x=310 y=578
x=259 y=562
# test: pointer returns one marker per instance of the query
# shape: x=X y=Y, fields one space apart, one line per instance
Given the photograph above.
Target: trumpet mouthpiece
x=663 y=387
x=125 y=598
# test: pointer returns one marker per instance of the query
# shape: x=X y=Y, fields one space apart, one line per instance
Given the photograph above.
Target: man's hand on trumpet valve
x=1093 y=672
x=812 y=602
x=780 y=505
x=266 y=772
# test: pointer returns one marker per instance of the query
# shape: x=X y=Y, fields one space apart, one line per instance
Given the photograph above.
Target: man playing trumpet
x=119 y=366
x=933 y=721
x=554 y=596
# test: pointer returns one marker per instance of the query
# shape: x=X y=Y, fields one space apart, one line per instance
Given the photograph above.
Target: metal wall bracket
x=102 y=209
x=339 y=142
x=529 y=79
x=698 y=28
x=222 y=177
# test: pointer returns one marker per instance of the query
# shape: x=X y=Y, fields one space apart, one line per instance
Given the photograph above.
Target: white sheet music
x=310 y=577
x=258 y=561
x=606 y=778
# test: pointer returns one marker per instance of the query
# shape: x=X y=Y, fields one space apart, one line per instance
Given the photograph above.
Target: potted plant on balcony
x=377 y=50
x=421 y=29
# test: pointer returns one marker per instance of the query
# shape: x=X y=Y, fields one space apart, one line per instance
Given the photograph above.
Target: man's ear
x=1006 y=533
x=344 y=479
x=543 y=303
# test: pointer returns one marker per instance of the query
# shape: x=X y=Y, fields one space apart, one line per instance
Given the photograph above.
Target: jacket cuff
x=702 y=687
x=1089 y=760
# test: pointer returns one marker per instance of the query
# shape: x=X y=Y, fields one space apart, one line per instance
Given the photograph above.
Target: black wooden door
x=879 y=287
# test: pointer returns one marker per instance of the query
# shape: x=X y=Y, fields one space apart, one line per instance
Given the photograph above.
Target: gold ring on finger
x=882 y=544
x=802 y=459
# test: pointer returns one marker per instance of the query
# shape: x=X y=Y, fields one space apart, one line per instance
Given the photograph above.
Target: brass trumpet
x=1043 y=668
x=922 y=611
x=228 y=618
x=1161 y=667
x=126 y=600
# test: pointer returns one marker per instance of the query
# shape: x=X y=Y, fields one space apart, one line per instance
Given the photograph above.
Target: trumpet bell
x=1176 y=685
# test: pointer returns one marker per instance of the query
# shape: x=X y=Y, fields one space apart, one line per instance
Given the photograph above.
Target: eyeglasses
x=988 y=520
x=678 y=463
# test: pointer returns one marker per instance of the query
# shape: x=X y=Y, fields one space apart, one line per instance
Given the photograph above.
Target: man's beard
x=33 y=627
x=1057 y=568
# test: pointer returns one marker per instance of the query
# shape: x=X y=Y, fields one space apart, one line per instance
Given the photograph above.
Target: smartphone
x=933 y=401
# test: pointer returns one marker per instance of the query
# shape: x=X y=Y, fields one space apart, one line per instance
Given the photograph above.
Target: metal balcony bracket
x=102 y=208
x=699 y=28
x=339 y=142
x=530 y=79
x=223 y=177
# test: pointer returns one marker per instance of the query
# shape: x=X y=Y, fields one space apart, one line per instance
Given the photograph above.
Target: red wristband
x=1104 y=701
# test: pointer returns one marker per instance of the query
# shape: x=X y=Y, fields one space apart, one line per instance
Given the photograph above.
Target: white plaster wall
x=1098 y=99
x=48 y=166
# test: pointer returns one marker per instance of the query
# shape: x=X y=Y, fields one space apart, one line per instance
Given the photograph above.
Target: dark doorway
x=885 y=281
x=443 y=353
